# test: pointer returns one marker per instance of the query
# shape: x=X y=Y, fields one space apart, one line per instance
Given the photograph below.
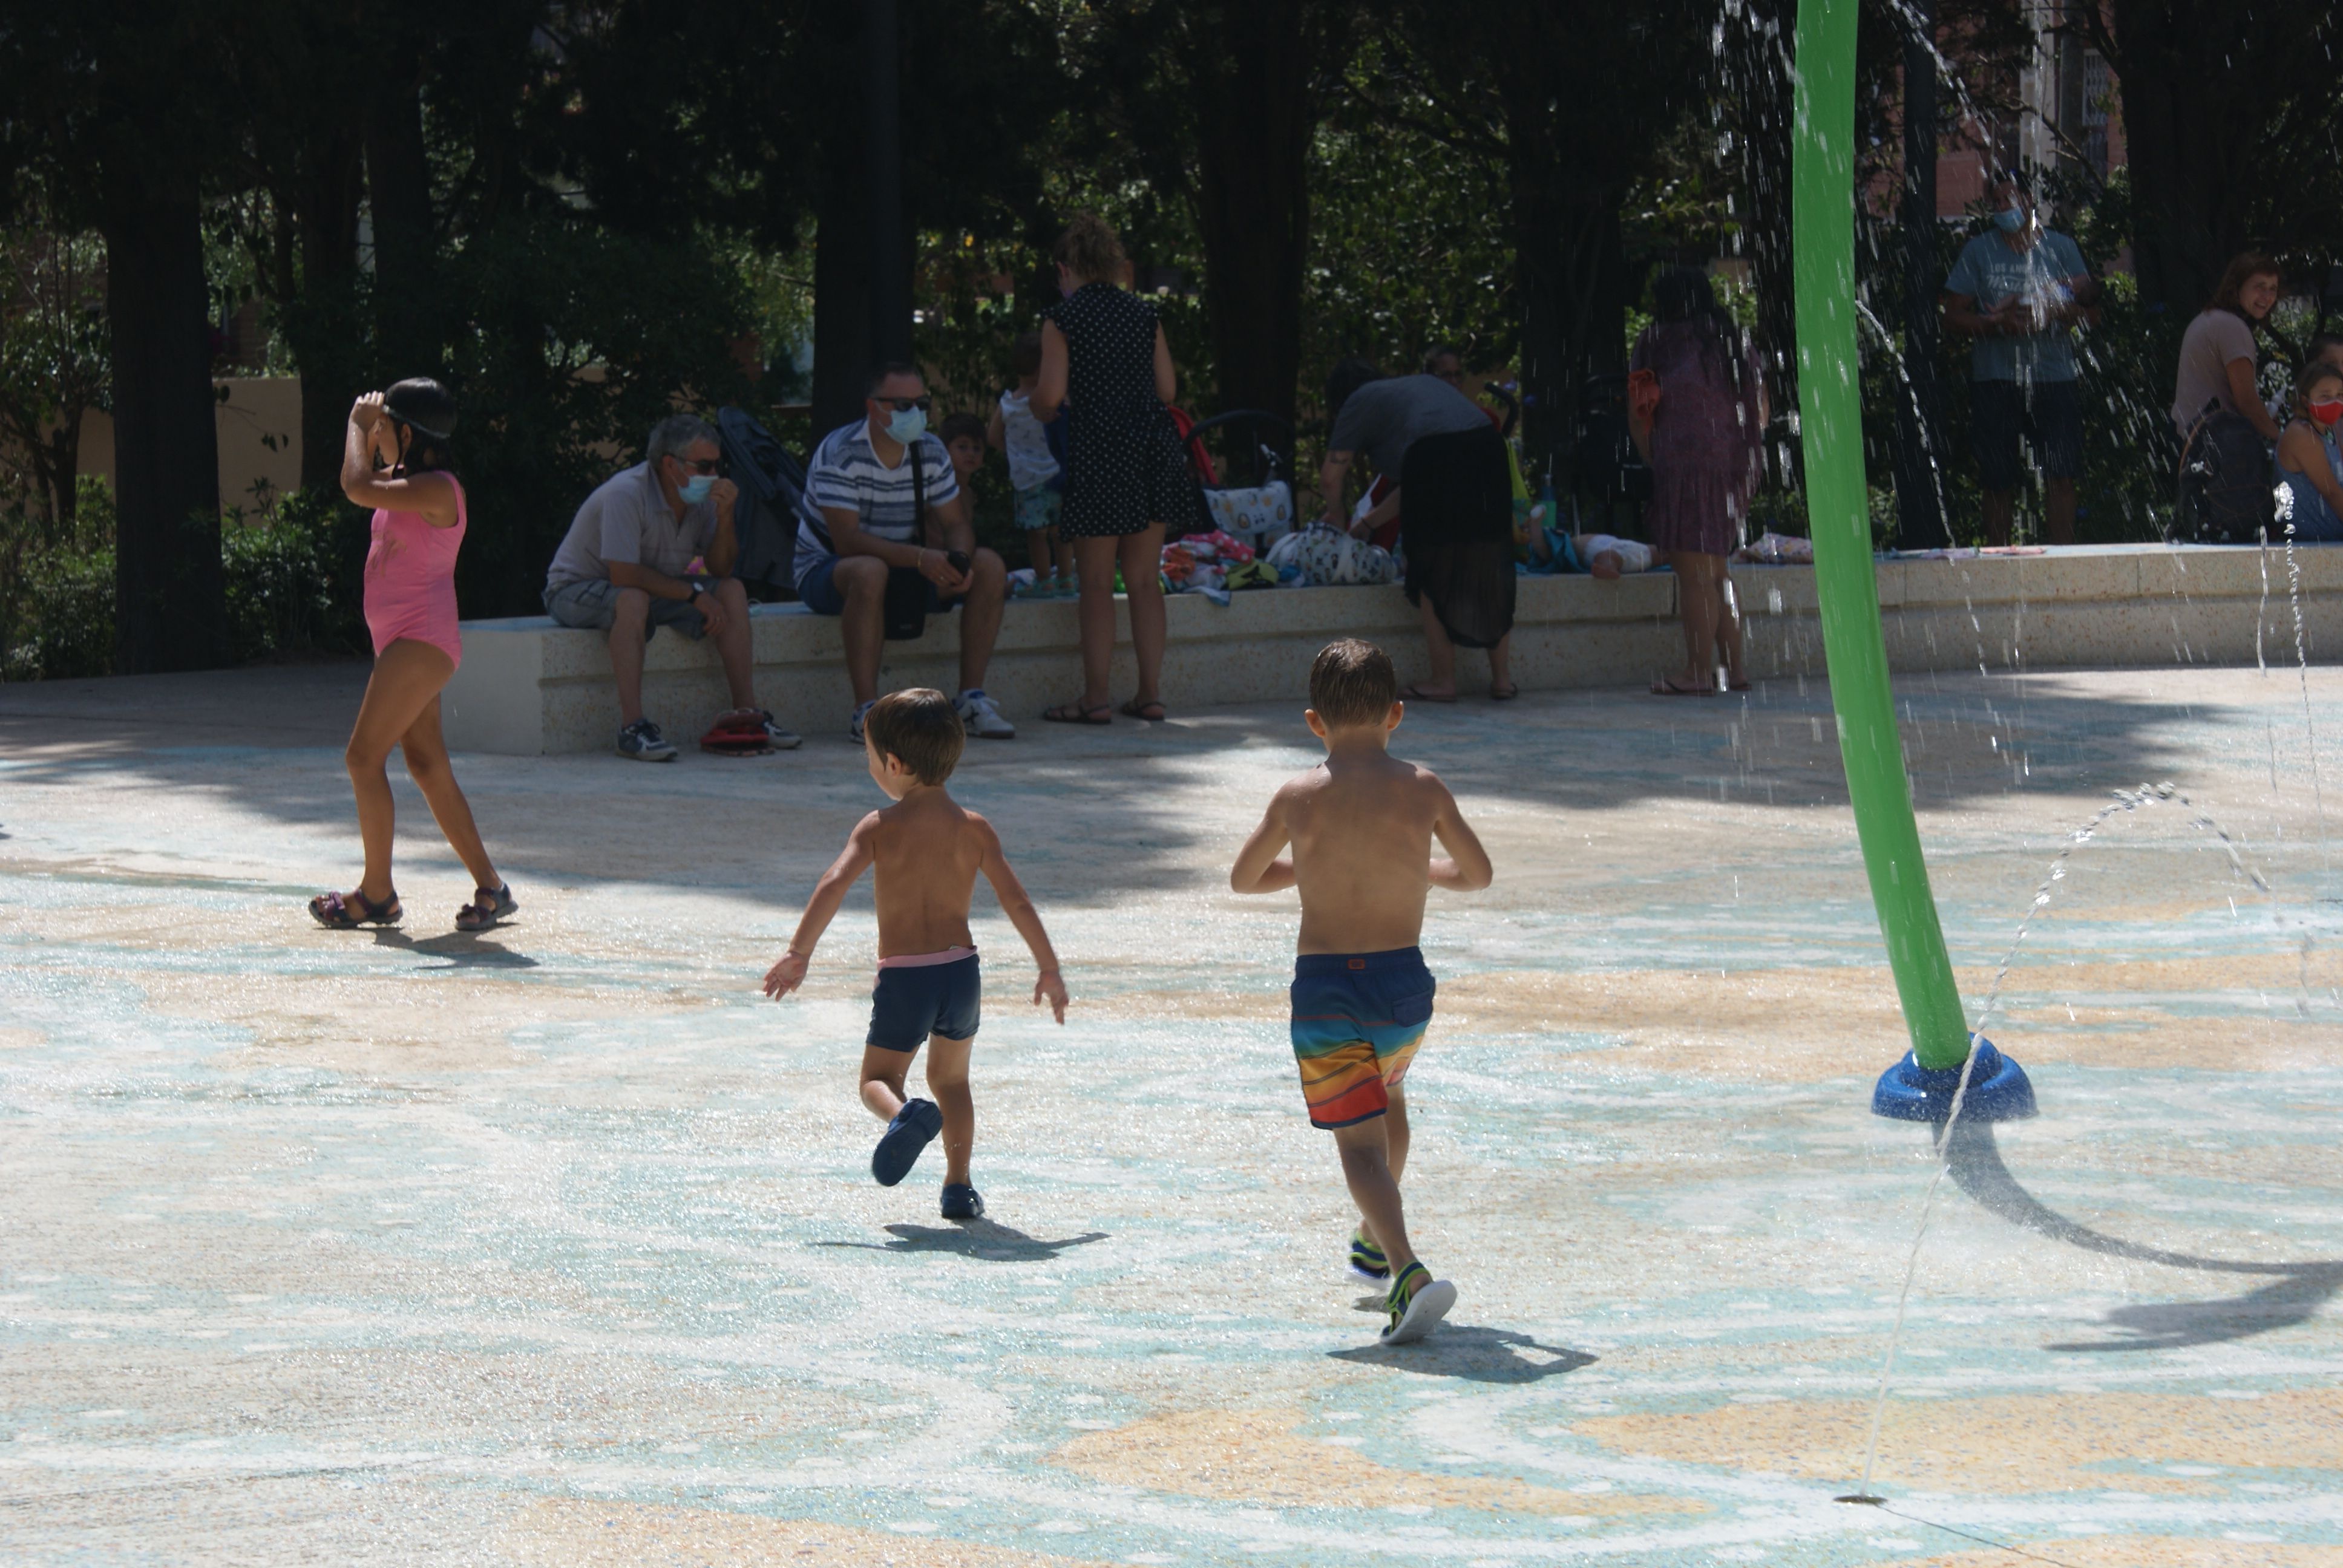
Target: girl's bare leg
x=1697 y=604
x=407 y=679
x=947 y=1081
x=1142 y=585
x=427 y=763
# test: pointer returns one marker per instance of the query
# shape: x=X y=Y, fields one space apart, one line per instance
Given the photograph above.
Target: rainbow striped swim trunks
x=1357 y=1021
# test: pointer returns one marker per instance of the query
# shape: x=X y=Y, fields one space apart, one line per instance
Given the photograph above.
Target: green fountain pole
x=1830 y=418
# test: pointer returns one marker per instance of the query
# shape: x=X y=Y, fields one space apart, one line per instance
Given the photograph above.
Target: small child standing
x=1362 y=825
x=1033 y=471
x=926 y=850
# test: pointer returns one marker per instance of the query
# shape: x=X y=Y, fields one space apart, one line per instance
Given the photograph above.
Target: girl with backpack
x=396 y=458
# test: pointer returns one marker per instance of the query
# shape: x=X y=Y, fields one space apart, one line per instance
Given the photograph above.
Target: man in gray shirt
x=626 y=567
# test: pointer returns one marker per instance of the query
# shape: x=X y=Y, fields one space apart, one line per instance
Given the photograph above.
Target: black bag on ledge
x=2225 y=483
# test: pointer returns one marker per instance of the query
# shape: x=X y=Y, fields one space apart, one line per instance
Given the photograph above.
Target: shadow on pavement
x=461 y=950
x=1475 y=1354
x=977 y=1239
x=2294 y=1295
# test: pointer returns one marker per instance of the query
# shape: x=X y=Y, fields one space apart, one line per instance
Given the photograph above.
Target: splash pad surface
x=556 y=1246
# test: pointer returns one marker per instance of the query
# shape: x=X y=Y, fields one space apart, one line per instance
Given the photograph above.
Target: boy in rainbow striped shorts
x=1362 y=826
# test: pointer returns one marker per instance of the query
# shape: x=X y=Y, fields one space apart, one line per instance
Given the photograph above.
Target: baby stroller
x=1258 y=512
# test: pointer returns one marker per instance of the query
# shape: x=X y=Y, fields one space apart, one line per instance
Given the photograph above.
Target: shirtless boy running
x=928 y=851
x=1362 y=825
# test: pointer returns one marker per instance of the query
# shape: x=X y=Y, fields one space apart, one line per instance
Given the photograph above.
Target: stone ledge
x=528 y=686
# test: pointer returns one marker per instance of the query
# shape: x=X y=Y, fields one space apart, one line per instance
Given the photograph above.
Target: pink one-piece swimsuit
x=410 y=579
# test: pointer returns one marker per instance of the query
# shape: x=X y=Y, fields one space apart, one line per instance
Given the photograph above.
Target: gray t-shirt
x=1384 y=418
x=628 y=519
x=2213 y=340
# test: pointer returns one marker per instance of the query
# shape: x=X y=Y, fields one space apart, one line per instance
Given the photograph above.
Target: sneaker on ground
x=982 y=717
x=1416 y=1303
x=778 y=739
x=854 y=730
x=642 y=741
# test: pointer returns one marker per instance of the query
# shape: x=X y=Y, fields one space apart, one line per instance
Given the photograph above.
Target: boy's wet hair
x=920 y=728
x=1025 y=355
x=1352 y=682
x=961 y=426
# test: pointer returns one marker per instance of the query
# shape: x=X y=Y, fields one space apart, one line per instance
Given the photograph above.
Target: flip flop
x=1152 y=712
x=914 y=1128
x=1503 y=693
x=1737 y=686
x=1075 y=713
x=1413 y=694
x=1666 y=687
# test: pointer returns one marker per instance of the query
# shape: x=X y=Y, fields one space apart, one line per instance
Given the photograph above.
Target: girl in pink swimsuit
x=395 y=459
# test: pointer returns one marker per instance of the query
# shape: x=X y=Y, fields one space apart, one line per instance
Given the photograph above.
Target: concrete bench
x=528 y=686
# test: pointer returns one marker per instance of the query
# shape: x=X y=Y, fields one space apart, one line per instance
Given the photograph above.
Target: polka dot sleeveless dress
x=1124 y=469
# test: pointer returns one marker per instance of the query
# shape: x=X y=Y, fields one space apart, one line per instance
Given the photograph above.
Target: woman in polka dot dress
x=1104 y=355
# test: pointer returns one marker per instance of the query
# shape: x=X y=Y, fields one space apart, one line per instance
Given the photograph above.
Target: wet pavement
x=557 y=1245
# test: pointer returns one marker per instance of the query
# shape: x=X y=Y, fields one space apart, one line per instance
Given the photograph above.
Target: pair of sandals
x=348 y=911
x=1668 y=686
x=1076 y=713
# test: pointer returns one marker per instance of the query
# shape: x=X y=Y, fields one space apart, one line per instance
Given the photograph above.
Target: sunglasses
x=905 y=405
x=698 y=465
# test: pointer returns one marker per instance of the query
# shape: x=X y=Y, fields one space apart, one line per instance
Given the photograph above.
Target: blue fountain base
x=1999 y=1091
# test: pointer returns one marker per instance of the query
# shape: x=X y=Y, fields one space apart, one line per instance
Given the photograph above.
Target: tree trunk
x=326 y=327
x=170 y=605
x=842 y=356
x=398 y=191
x=2187 y=147
x=1252 y=201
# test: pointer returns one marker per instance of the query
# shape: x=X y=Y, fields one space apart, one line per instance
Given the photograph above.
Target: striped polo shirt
x=846 y=474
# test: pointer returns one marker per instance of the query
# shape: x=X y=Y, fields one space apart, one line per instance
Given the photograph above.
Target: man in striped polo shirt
x=859 y=518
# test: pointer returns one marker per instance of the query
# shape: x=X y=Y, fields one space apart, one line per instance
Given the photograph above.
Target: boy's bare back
x=1362 y=826
x=925 y=854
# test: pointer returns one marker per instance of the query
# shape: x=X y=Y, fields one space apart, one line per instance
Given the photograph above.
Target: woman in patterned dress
x=1104 y=355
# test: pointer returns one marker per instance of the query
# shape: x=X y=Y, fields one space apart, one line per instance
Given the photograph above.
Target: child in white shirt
x=1033 y=471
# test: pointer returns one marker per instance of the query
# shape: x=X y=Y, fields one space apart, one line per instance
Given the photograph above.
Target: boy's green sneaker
x=1367 y=1259
x=1416 y=1303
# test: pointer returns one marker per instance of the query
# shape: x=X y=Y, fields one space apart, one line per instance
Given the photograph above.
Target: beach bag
x=765 y=518
x=1256 y=514
x=2225 y=483
x=1333 y=559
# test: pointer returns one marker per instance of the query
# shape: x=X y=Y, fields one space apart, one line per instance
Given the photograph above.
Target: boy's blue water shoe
x=962 y=1202
x=1367 y=1259
x=914 y=1127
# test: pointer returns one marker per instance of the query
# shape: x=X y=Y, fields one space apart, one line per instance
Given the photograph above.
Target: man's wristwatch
x=696 y=585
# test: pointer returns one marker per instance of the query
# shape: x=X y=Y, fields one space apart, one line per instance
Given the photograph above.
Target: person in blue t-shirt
x=2018 y=290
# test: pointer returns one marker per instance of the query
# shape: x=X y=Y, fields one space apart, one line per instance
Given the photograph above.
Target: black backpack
x=765 y=518
x=2225 y=483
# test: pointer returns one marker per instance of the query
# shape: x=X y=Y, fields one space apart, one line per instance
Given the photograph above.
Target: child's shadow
x=1470 y=1351
x=461 y=950
x=976 y=1239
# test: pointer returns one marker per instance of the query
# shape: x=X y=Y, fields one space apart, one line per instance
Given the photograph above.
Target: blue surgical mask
x=907 y=425
x=694 y=489
x=2010 y=219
